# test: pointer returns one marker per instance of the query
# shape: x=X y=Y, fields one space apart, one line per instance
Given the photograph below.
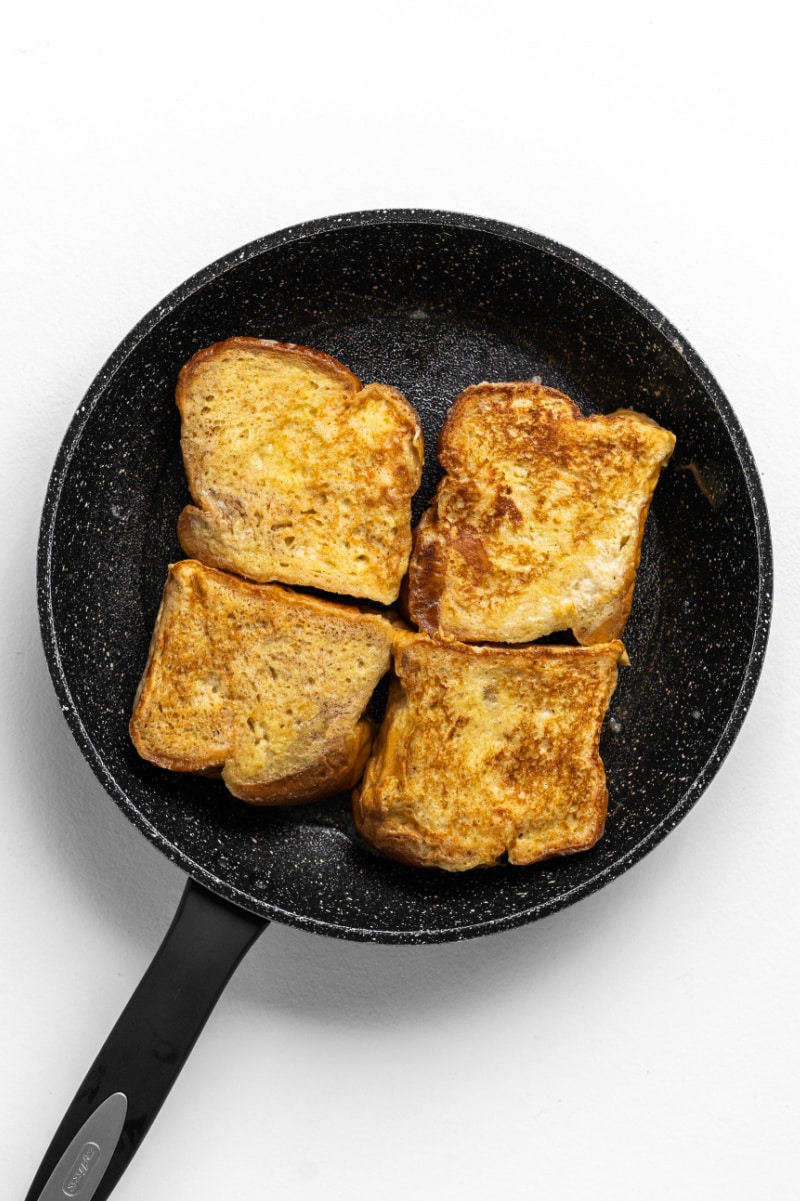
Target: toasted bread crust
x=303 y=355
x=299 y=475
x=537 y=525
x=488 y=751
x=260 y=685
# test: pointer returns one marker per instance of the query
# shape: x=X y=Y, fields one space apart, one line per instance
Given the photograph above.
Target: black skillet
x=430 y=302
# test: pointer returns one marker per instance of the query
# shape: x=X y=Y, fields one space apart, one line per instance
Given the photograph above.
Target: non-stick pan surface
x=429 y=302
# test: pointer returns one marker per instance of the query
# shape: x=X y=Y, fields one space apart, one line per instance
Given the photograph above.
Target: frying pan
x=429 y=302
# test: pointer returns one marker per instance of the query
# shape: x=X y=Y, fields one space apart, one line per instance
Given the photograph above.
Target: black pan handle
x=144 y=1053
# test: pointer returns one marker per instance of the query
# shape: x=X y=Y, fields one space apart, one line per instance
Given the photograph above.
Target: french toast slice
x=259 y=684
x=298 y=474
x=488 y=751
x=537 y=526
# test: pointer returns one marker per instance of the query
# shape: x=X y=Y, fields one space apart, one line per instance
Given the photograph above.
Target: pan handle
x=128 y=1082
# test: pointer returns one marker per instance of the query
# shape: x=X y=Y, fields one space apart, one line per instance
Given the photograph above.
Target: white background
x=643 y=1044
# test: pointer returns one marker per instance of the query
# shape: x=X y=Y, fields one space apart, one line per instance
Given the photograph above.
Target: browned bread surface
x=298 y=474
x=537 y=526
x=265 y=685
x=487 y=750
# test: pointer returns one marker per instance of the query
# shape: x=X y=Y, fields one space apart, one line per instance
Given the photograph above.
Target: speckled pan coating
x=429 y=302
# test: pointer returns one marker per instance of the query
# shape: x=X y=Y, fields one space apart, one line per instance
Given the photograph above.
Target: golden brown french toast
x=298 y=474
x=537 y=525
x=487 y=751
x=264 y=685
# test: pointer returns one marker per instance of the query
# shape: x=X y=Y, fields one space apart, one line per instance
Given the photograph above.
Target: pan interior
x=430 y=307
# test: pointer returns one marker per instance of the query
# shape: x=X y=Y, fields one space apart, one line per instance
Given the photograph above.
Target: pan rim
x=506 y=232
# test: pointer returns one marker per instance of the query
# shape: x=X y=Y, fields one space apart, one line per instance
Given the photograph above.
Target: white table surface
x=642 y=1044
